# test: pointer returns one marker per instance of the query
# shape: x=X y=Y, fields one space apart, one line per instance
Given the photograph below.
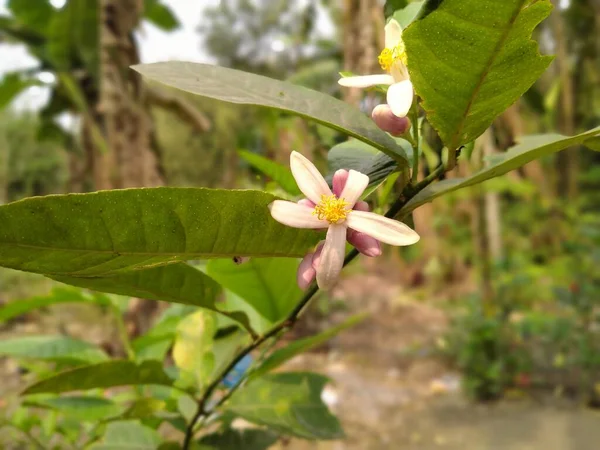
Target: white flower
x=393 y=60
x=335 y=214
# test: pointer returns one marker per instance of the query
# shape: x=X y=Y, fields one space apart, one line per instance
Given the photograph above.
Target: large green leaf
x=469 y=60
x=282 y=175
x=530 y=148
x=82 y=408
x=110 y=232
x=103 y=375
x=127 y=434
x=280 y=356
x=241 y=87
x=289 y=403
x=267 y=284
x=52 y=348
x=58 y=295
x=246 y=439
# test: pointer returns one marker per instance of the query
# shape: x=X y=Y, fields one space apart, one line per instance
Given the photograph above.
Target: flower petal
x=332 y=257
x=295 y=215
x=339 y=181
x=393 y=34
x=381 y=228
x=306 y=273
x=400 y=97
x=366 y=81
x=306 y=202
x=355 y=185
x=309 y=180
x=316 y=259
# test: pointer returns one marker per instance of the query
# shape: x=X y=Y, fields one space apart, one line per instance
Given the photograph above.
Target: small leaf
x=127 y=434
x=391 y=6
x=236 y=86
x=246 y=439
x=52 y=348
x=132 y=229
x=469 y=60
x=103 y=375
x=530 y=148
x=280 y=356
x=160 y=15
x=12 y=85
x=83 y=408
x=289 y=403
x=282 y=175
x=144 y=407
x=408 y=14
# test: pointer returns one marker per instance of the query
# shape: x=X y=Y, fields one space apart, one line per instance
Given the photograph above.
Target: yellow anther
x=389 y=56
x=331 y=209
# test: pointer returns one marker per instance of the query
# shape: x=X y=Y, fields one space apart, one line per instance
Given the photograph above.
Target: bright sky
x=183 y=44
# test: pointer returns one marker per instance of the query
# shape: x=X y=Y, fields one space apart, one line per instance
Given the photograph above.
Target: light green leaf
x=110 y=232
x=280 y=356
x=234 y=302
x=405 y=16
x=145 y=407
x=82 y=408
x=288 y=403
x=593 y=143
x=391 y=6
x=58 y=295
x=246 y=439
x=267 y=284
x=530 y=148
x=282 y=175
x=102 y=375
x=11 y=85
x=235 y=86
x=469 y=60
x=52 y=348
x=127 y=434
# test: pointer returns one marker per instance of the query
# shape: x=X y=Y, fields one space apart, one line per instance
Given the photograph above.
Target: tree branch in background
x=178 y=105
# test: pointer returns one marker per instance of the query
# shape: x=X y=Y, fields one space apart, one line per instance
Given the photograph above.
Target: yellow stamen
x=389 y=56
x=331 y=209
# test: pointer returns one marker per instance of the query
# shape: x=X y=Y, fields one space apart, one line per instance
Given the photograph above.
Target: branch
x=179 y=106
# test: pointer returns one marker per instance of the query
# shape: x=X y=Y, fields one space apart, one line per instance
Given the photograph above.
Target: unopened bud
x=385 y=119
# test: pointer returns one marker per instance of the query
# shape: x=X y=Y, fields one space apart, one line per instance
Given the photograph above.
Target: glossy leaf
x=127 y=434
x=52 y=348
x=246 y=439
x=267 y=284
x=103 y=375
x=246 y=88
x=83 y=408
x=530 y=148
x=111 y=232
x=469 y=60
x=279 y=173
x=289 y=403
x=280 y=356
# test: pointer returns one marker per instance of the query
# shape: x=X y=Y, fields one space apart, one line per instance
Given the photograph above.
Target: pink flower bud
x=385 y=119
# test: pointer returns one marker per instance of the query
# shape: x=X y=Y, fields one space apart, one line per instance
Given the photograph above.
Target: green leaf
x=32 y=13
x=469 y=60
x=282 y=175
x=246 y=439
x=52 y=348
x=530 y=148
x=289 y=403
x=145 y=407
x=407 y=15
x=82 y=408
x=127 y=434
x=160 y=15
x=12 y=85
x=593 y=143
x=391 y=6
x=103 y=375
x=267 y=284
x=58 y=295
x=110 y=232
x=280 y=356
x=235 y=86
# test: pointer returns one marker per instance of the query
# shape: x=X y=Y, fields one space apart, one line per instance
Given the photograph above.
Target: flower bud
x=385 y=119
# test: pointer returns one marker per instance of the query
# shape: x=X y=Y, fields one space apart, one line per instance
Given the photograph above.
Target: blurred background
x=484 y=335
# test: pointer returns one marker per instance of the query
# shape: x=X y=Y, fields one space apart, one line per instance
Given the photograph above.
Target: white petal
x=355 y=185
x=399 y=71
x=400 y=97
x=393 y=34
x=366 y=81
x=295 y=215
x=309 y=180
x=381 y=228
x=332 y=257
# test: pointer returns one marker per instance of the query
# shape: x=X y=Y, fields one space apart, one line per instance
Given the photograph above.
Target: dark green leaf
x=406 y=15
x=289 y=403
x=280 y=356
x=12 y=85
x=103 y=375
x=52 y=348
x=282 y=175
x=246 y=439
x=111 y=232
x=83 y=408
x=127 y=434
x=469 y=60
x=32 y=13
x=530 y=148
x=160 y=15
x=240 y=87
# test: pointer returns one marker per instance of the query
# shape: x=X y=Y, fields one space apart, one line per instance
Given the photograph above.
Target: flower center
x=331 y=209
x=389 y=56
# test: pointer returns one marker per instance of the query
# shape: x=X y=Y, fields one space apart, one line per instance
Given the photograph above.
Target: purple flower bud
x=385 y=119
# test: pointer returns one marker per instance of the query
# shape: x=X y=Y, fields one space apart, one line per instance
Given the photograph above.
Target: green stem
x=414 y=117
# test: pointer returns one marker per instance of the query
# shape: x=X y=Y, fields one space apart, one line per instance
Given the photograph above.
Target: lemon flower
x=335 y=214
x=393 y=60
